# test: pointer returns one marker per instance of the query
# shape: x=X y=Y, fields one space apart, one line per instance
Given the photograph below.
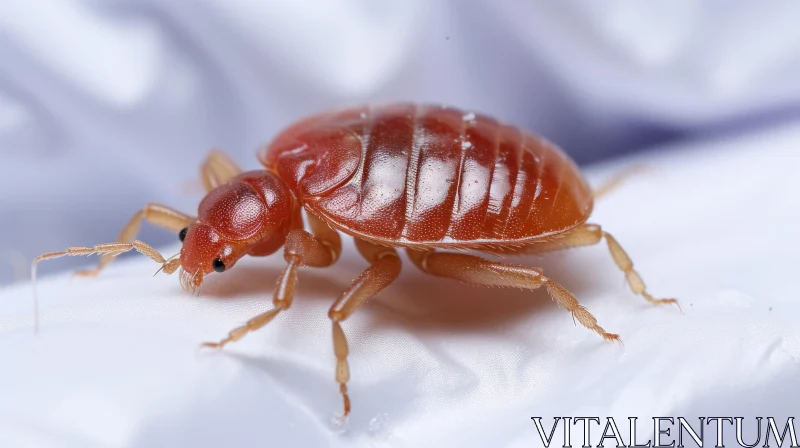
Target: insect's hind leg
x=480 y=271
x=217 y=169
x=591 y=234
x=615 y=181
x=156 y=214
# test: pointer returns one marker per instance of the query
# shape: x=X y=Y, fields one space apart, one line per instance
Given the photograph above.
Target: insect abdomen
x=439 y=176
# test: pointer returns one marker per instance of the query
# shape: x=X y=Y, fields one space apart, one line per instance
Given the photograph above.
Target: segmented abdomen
x=428 y=175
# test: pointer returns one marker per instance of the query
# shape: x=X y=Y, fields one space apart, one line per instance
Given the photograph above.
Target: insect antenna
x=169 y=265
x=109 y=249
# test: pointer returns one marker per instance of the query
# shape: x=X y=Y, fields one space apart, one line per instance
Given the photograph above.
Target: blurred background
x=107 y=105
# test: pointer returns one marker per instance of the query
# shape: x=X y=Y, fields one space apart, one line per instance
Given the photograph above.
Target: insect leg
x=584 y=235
x=615 y=181
x=383 y=270
x=301 y=249
x=480 y=271
x=157 y=214
x=217 y=169
x=590 y=234
x=635 y=281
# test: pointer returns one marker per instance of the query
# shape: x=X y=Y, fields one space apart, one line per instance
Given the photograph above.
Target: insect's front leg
x=301 y=249
x=217 y=169
x=156 y=214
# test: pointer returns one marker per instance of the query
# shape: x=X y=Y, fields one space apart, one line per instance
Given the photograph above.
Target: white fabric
x=436 y=363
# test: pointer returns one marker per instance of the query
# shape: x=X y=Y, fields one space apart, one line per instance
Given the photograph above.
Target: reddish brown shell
x=432 y=176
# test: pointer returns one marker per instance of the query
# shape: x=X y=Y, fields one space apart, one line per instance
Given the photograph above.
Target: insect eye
x=182 y=234
x=218 y=265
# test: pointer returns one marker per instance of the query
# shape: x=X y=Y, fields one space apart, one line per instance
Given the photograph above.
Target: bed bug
x=433 y=180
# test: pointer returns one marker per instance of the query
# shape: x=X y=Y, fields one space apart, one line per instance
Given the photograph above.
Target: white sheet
x=435 y=363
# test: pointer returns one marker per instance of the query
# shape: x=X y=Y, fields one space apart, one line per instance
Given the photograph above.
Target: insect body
x=423 y=178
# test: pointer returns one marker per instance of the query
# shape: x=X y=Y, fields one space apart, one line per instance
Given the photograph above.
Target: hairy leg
x=590 y=234
x=615 y=181
x=480 y=271
x=156 y=214
x=383 y=270
x=301 y=249
x=217 y=169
